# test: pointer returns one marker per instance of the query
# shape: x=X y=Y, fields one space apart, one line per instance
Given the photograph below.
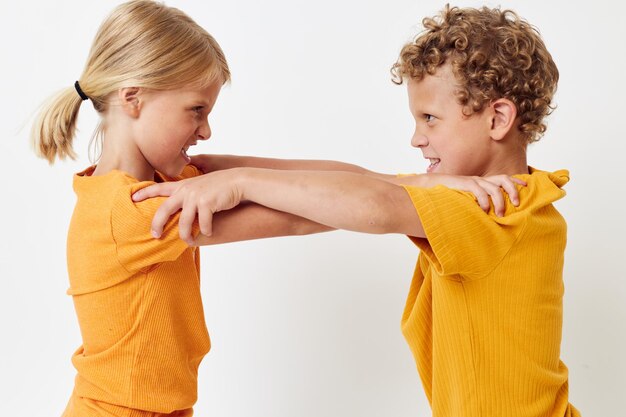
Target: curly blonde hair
x=493 y=54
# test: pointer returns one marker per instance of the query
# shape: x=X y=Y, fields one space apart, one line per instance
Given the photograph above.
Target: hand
x=200 y=196
x=482 y=188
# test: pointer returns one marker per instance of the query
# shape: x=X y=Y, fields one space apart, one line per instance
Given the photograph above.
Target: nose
x=419 y=140
x=204 y=130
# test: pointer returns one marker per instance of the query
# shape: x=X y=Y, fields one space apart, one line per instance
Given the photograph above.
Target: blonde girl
x=153 y=75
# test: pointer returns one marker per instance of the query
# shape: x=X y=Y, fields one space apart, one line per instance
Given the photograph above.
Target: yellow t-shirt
x=137 y=298
x=483 y=316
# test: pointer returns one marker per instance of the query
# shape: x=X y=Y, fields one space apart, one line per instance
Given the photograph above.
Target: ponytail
x=141 y=44
x=53 y=131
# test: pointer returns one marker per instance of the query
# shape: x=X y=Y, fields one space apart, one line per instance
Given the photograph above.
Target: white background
x=309 y=326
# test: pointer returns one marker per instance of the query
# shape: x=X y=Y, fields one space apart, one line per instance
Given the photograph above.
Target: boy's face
x=452 y=142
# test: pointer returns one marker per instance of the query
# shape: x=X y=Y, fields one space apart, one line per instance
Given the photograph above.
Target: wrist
x=241 y=177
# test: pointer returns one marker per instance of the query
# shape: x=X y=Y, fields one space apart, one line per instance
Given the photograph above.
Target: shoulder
x=101 y=194
x=543 y=189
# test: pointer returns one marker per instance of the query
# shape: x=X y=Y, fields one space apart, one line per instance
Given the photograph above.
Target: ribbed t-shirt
x=137 y=298
x=484 y=313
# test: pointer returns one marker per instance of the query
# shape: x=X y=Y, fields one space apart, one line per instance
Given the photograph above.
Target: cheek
x=170 y=128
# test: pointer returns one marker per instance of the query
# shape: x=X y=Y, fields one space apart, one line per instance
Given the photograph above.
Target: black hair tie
x=80 y=92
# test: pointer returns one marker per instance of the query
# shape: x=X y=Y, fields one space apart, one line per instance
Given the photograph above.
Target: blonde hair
x=493 y=54
x=143 y=44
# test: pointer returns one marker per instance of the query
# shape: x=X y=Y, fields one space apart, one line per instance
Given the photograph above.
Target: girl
x=153 y=75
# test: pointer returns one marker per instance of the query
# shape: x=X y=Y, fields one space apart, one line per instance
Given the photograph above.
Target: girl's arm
x=251 y=221
x=341 y=200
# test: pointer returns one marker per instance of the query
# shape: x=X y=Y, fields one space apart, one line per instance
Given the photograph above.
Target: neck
x=509 y=157
x=509 y=165
x=119 y=152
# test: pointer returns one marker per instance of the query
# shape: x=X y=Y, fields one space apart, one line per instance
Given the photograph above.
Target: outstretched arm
x=482 y=188
x=209 y=163
x=330 y=198
x=252 y=221
x=342 y=200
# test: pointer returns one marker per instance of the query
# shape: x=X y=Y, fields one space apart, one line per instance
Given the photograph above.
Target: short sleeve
x=131 y=224
x=461 y=239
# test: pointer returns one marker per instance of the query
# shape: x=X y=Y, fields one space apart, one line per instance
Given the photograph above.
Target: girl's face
x=171 y=121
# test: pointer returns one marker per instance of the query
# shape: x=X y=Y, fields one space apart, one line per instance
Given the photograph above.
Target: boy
x=484 y=313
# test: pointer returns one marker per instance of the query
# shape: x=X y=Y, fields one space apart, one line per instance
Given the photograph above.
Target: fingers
x=508 y=184
x=510 y=188
x=491 y=188
x=163 y=189
x=169 y=207
x=205 y=219
x=495 y=192
x=481 y=196
x=497 y=184
x=185 y=224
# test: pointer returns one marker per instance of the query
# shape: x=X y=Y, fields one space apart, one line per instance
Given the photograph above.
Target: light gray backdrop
x=309 y=326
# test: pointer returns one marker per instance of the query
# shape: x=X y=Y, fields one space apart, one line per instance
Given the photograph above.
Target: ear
x=503 y=114
x=130 y=100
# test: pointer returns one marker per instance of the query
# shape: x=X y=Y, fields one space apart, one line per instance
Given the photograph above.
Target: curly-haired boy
x=484 y=313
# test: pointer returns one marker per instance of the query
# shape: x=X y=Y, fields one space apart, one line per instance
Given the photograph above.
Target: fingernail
x=155 y=234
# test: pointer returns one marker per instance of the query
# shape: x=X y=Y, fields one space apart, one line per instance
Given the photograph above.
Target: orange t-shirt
x=137 y=298
x=484 y=314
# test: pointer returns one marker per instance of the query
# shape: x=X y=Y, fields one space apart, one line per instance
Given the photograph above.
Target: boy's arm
x=336 y=199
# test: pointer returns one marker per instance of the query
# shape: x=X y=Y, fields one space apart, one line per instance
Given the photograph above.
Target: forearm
x=209 y=163
x=252 y=221
x=341 y=200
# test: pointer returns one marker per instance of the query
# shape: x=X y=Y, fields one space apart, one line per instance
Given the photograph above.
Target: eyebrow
x=199 y=101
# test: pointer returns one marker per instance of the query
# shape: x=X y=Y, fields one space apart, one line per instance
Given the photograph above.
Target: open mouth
x=183 y=152
x=434 y=163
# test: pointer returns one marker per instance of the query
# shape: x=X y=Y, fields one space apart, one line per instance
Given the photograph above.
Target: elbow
x=394 y=213
x=380 y=215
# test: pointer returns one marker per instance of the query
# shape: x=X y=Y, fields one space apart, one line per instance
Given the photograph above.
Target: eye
x=198 y=109
x=429 y=117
